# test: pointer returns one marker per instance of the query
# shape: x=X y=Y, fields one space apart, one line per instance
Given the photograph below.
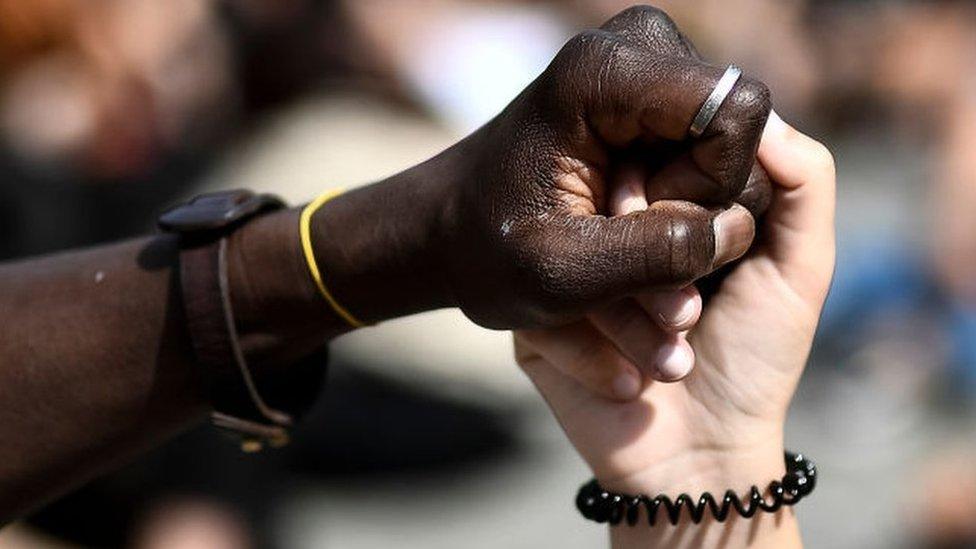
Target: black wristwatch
x=260 y=411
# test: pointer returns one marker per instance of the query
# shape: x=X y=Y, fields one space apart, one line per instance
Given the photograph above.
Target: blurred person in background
x=126 y=102
x=97 y=99
x=914 y=79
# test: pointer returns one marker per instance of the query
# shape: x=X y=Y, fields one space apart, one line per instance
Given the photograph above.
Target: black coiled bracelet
x=599 y=505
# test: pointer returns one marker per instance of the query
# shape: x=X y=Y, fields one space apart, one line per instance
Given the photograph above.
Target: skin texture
x=722 y=427
x=94 y=366
x=511 y=225
x=623 y=95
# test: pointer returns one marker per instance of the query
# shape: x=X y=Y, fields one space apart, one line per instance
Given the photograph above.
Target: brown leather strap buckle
x=203 y=224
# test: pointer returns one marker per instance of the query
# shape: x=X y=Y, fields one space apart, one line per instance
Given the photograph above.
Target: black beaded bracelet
x=599 y=505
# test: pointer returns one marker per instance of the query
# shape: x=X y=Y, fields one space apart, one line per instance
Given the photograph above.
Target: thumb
x=800 y=222
x=669 y=245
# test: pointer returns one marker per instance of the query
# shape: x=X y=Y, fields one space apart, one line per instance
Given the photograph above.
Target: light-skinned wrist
x=714 y=471
x=699 y=470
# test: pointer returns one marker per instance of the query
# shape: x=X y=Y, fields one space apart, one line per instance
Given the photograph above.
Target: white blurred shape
x=473 y=63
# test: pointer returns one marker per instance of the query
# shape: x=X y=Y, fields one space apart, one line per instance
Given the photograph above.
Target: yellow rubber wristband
x=313 y=268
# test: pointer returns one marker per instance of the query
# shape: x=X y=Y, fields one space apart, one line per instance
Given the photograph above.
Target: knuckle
x=592 y=69
x=740 y=124
x=580 y=59
x=655 y=22
x=739 y=127
x=746 y=108
x=646 y=15
x=689 y=249
x=589 y=52
x=753 y=97
x=587 y=47
x=822 y=159
x=650 y=28
x=574 y=48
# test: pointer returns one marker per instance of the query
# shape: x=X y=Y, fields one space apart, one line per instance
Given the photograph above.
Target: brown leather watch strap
x=203 y=225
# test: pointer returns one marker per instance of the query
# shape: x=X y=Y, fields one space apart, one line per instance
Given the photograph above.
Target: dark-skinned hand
x=513 y=225
x=533 y=243
x=519 y=224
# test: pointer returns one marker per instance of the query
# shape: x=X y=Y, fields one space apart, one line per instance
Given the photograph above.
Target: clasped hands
x=658 y=392
x=584 y=215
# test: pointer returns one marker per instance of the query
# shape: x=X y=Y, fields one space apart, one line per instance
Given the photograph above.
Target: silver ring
x=714 y=101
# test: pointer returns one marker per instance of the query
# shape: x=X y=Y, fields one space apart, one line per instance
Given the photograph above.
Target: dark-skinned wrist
x=381 y=252
x=277 y=310
x=383 y=248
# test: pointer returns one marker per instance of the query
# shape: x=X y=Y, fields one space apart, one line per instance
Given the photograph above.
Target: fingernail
x=734 y=230
x=676 y=309
x=776 y=124
x=674 y=361
x=631 y=204
x=626 y=386
x=776 y=128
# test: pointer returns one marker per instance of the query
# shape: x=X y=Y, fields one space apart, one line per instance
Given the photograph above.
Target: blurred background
x=428 y=436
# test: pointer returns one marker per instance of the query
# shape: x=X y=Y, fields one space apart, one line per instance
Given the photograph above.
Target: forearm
x=385 y=246
x=380 y=250
x=713 y=472
x=96 y=360
x=94 y=366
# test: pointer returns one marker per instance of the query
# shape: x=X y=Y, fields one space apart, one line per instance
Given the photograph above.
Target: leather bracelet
x=602 y=506
x=203 y=225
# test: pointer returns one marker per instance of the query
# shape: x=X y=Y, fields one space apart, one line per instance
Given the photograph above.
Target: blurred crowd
x=112 y=109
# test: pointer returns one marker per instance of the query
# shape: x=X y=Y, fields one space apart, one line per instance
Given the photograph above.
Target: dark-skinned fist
x=531 y=242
